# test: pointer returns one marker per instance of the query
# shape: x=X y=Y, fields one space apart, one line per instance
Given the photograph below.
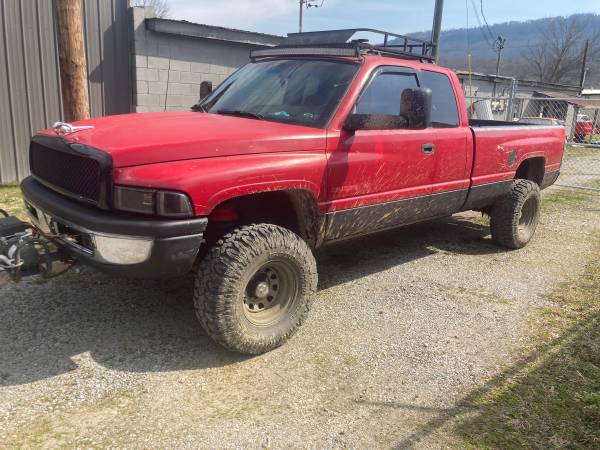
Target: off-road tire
x=222 y=283
x=514 y=217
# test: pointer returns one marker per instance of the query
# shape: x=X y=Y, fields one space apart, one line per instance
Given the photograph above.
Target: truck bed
x=500 y=147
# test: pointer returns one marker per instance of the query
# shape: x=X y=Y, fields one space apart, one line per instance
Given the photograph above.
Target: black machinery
x=24 y=251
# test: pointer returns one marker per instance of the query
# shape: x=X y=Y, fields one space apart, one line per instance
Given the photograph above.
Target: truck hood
x=147 y=138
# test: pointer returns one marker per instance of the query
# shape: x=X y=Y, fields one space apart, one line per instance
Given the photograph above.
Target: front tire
x=253 y=288
x=514 y=218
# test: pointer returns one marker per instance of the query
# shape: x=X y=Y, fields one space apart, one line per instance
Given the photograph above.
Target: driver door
x=368 y=167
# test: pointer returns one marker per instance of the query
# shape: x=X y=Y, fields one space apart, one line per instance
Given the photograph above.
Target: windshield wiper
x=239 y=113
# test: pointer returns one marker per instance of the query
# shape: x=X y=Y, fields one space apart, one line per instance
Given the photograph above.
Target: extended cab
x=303 y=146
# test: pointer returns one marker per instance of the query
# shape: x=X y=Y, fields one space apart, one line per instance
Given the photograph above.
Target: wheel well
x=295 y=210
x=532 y=169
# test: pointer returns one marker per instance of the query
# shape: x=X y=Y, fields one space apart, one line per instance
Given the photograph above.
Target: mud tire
x=223 y=282
x=514 y=217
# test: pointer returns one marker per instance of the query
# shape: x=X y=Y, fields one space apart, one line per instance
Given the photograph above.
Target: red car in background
x=583 y=127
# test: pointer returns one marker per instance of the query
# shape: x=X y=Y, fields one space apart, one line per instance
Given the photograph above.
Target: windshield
x=300 y=92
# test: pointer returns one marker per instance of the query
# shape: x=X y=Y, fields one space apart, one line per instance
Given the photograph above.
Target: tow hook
x=24 y=251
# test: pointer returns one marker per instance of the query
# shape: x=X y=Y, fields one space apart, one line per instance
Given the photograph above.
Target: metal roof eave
x=197 y=30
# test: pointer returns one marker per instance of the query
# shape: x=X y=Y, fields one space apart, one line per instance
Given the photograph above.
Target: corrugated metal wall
x=29 y=80
x=106 y=24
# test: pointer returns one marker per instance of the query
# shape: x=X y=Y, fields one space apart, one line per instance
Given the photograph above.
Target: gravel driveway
x=406 y=324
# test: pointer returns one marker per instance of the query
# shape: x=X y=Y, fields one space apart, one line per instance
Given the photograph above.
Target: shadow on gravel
x=355 y=258
x=125 y=325
x=552 y=404
x=150 y=326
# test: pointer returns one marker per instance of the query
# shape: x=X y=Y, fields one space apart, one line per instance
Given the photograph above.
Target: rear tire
x=253 y=288
x=514 y=218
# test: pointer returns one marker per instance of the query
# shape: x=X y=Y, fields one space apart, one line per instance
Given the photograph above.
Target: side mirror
x=205 y=89
x=415 y=105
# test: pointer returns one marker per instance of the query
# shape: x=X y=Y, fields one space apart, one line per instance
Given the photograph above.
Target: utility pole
x=499 y=44
x=436 y=31
x=306 y=4
x=71 y=56
x=584 y=64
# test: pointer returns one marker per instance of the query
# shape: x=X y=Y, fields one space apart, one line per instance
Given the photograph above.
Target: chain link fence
x=581 y=162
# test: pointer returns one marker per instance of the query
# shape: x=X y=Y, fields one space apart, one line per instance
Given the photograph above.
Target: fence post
x=573 y=123
x=594 y=120
x=511 y=98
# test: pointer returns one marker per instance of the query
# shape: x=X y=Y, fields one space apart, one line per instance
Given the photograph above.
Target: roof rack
x=340 y=43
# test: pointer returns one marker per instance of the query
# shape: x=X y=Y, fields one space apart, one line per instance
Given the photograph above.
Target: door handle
x=428 y=149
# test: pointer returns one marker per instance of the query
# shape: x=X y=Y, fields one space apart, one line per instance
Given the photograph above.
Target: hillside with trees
x=547 y=49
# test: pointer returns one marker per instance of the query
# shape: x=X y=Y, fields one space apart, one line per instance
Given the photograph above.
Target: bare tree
x=161 y=7
x=557 y=56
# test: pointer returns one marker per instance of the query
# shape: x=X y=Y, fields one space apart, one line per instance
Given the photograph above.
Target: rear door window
x=444 y=112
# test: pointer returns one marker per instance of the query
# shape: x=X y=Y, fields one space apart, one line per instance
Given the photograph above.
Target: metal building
x=30 y=97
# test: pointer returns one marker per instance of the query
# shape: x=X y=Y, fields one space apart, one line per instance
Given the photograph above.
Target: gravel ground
x=406 y=324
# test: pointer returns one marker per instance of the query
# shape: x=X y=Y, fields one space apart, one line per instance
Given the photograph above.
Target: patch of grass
x=483 y=219
x=76 y=428
x=552 y=398
x=576 y=151
x=560 y=198
x=11 y=201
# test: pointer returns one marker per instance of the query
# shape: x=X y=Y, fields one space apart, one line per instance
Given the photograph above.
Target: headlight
x=152 y=201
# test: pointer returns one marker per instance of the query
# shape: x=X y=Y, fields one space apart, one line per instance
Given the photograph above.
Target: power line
x=480 y=28
x=468 y=37
x=469 y=50
x=485 y=20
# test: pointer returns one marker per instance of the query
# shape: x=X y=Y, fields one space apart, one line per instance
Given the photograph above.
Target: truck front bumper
x=118 y=243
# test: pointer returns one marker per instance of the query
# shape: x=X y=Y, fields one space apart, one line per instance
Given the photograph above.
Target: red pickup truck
x=306 y=145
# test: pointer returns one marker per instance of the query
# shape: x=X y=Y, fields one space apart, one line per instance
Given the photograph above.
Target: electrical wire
x=469 y=51
x=485 y=20
x=481 y=28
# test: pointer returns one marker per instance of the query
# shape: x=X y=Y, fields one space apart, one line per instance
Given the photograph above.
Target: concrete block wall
x=168 y=68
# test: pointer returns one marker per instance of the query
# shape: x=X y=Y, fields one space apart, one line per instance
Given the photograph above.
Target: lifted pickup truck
x=312 y=142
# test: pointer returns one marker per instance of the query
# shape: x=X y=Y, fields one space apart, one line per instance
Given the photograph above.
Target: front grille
x=72 y=169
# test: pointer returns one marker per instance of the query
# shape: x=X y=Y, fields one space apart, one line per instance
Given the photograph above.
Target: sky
x=400 y=16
